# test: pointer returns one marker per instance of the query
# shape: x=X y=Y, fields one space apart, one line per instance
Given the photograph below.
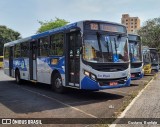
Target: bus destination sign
x=106 y=27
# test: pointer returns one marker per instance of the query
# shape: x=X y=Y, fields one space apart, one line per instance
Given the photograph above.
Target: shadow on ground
x=31 y=97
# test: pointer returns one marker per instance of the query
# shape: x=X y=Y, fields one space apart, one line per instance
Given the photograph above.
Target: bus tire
x=57 y=83
x=17 y=76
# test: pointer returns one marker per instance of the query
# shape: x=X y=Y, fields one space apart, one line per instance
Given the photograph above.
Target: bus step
x=33 y=81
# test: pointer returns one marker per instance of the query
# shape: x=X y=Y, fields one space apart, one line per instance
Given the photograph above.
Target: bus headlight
x=87 y=73
x=90 y=75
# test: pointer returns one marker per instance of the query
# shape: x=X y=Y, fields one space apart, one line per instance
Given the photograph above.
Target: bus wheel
x=57 y=84
x=17 y=76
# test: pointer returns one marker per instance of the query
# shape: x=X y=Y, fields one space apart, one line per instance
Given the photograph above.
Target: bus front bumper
x=89 y=84
x=148 y=71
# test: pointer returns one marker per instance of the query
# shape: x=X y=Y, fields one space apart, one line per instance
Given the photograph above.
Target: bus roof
x=56 y=30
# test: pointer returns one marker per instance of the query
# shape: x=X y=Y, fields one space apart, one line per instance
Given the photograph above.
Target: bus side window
x=6 y=53
x=57 y=42
x=25 y=49
x=43 y=46
x=17 y=51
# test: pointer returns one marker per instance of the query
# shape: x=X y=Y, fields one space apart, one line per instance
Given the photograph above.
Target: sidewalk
x=145 y=105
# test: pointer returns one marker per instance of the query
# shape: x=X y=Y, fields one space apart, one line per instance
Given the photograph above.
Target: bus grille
x=103 y=82
x=110 y=68
x=136 y=65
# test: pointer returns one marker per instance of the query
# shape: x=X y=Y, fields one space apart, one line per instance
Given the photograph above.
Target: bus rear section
x=135 y=51
x=154 y=59
x=146 y=60
x=1 y=61
x=90 y=55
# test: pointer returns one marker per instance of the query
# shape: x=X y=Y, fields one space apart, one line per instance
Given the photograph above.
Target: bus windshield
x=104 y=48
x=154 y=57
x=135 y=52
x=146 y=57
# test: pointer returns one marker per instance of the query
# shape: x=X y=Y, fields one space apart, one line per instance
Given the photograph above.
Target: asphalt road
x=31 y=100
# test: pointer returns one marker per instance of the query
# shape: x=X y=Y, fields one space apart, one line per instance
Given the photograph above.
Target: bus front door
x=11 y=61
x=73 y=60
x=33 y=60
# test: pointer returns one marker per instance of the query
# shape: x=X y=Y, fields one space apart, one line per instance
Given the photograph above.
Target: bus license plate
x=113 y=83
x=133 y=76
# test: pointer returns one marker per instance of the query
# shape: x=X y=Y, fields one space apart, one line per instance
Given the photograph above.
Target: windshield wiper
x=115 y=46
x=99 y=44
x=133 y=53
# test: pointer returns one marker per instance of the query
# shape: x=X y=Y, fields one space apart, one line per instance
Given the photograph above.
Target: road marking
x=131 y=104
x=67 y=105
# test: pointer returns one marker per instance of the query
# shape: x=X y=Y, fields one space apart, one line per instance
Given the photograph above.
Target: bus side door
x=33 y=60
x=73 y=59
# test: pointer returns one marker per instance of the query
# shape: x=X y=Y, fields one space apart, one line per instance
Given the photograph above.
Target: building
x=132 y=23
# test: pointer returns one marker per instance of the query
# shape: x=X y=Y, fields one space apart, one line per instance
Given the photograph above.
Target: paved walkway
x=145 y=105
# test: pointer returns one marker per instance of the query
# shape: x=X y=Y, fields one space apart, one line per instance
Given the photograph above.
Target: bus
x=135 y=51
x=159 y=59
x=154 y=59
x=90 y=55
x=146 y=60
x=1 y=61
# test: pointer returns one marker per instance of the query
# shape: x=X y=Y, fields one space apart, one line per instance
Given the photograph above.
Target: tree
x=47 y=25
x=150 y=33
x=7 y=35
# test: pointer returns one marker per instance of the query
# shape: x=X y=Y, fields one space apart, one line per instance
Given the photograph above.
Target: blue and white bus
x=154 y=59
x=136 y=59
x=91 y=55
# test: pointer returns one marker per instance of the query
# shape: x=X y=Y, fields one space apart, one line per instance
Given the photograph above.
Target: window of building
x=131 y=26
x=44 y=46
x=57 y=42
x=25 y=49
x=135 y=27
x=126 y=20
x=17 y=50
x=126 y=23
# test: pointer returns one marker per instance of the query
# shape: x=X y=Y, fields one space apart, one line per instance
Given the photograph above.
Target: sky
x=23 y=15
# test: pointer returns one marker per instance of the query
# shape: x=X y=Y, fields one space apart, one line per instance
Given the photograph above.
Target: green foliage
x=150 y=33
x=7 y=35
x=47 y=25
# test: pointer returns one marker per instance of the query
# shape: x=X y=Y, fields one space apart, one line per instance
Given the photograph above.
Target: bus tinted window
x=17 y=52
x=44 y=46
x=25 y=49
x=6 y=53
x=57 y=44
